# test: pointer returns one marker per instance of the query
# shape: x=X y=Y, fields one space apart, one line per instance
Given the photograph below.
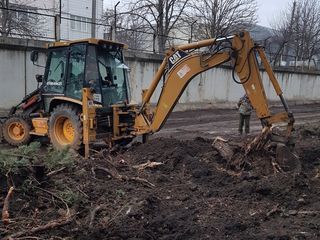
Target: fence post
x=154 y=42
x=57 y=28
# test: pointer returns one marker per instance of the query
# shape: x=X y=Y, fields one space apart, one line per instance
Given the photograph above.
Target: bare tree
x=129 y=30
x=298 y=30
x=15 y=19
x=160 y=16
x=222 y=17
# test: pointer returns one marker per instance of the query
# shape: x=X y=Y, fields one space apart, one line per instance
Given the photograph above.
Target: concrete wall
x=214 y=88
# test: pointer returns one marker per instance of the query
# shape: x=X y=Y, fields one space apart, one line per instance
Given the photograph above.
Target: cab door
x=75 y=73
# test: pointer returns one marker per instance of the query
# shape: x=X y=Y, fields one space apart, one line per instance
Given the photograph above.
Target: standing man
x=245 y=110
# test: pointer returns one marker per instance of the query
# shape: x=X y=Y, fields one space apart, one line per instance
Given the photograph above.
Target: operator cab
x=93 y=63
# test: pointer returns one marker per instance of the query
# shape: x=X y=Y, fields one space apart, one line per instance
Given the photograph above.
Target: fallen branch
x=148 y=164
x=56 y=171
x=94 y=212
x=142 y=180
x=114 y=173
x=54 y=195
x=49 y=225
x=5 y=209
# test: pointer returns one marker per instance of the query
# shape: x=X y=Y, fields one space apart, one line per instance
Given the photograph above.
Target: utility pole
x=94 y=16
x=286 y=47
x=114 y=30
x=57 y=23
x=60 y=10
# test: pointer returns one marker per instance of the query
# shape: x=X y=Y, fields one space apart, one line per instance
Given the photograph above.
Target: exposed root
x=94 y=212
x=276 y=167
x=5 y=209
x=260 y=141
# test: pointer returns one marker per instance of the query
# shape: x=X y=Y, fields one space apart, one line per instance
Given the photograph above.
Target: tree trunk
x=4 y=20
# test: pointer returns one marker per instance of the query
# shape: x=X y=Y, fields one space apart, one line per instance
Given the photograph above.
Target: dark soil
x=195 y=194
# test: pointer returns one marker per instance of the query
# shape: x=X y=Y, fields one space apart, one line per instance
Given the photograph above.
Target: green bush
x=12 y=160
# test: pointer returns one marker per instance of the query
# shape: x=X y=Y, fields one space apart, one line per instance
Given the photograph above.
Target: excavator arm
x=180 y=65
x=183 y=63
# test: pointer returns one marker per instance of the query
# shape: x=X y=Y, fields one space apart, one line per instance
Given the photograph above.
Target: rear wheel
x=16 y=131
x=65 y=128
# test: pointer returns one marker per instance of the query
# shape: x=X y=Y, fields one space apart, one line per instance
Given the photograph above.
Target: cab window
x=112 y=73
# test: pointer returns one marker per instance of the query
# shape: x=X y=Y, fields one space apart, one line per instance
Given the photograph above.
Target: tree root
x=5 y=209
x=49 y=225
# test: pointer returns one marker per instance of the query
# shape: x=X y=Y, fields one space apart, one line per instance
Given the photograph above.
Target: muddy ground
x=194 y=194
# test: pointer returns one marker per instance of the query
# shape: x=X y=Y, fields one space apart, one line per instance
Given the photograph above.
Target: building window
x=22 y=16
x=81 y=24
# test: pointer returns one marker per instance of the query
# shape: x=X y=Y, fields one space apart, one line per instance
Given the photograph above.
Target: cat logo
x=176 y=57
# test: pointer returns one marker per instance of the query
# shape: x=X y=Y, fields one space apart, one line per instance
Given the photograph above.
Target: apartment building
x=76 y=22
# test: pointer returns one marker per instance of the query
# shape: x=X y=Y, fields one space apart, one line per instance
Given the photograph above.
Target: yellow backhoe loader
x=84 y=93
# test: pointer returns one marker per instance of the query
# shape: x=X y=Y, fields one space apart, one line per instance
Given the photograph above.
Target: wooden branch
x=114 y=173
x=49 y=225
x=5 y=209
x=142 y=180
x=56 y=171
x=148 y=164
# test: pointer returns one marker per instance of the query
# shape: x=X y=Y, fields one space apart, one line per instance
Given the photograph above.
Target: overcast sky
x=268 y=10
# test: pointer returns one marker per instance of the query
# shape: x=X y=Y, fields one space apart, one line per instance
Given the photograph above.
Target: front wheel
x=65 y=127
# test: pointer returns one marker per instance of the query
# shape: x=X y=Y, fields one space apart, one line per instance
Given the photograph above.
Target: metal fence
x=46 y=24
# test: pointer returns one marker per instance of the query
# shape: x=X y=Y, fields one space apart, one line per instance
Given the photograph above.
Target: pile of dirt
x=171 y=189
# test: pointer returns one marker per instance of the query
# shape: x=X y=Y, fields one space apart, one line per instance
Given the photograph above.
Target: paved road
x=221 y=122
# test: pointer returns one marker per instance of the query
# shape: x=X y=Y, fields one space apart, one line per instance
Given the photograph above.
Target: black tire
x=16 y=131
x=65 y=127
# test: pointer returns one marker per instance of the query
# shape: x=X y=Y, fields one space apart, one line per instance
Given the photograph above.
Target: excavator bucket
x=282 y=147
x=287 y=160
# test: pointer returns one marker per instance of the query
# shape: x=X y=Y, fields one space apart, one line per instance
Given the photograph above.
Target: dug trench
x=168 y=189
